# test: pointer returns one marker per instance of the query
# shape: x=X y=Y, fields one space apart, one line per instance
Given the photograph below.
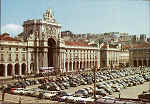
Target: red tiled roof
x=126 y=46
x=110 y=46
x=6 y=37
x=144 y=45
x=70 y=43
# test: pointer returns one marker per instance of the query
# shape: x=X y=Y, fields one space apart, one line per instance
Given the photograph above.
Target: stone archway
x=17 y=67
x=90 y=64
x=51 y=52
x=2 y=68
x=70 y=66
x=139 y=62
x=81 y=65
x=87 y=64
x=135 y=63
x=32 y=68
x=84 y=65
x=66 y=65
x=93 y=63
x=144 y=63
x=23 y=68
x=149 y=62
x=77 y=65
x=9 y=69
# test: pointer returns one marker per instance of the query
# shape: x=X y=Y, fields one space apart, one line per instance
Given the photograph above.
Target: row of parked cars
x=109 y=87
x=108 y=81
x=19 y=84
x=65 y=82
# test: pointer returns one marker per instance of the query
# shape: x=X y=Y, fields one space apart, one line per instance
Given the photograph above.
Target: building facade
x=40 y=45
x=113 y=56
x=140 y=56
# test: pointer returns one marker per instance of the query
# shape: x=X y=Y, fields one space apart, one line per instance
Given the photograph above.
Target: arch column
x=5 y=65
x=142 y=62
x=72 y=66
x=28 y=68
x=147 y=62
x=64 y=62
x=68 y=66
x=13 y=69
x=20 y=71
x=37 y=62
x=79 y=65
x=75 y=66
x=137 y=63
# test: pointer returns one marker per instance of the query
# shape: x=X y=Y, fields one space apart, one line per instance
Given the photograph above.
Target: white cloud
x=12 y=29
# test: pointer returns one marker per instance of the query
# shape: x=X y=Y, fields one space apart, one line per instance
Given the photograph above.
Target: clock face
x=52 y=20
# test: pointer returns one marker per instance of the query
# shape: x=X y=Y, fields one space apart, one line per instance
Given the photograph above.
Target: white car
x=17 y=90
x=48 y=95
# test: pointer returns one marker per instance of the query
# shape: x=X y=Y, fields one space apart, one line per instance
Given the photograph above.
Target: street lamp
x=94 y=72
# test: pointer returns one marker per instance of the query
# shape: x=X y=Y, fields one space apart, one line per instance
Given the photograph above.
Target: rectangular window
x=10 y=49
x=2 y=57
x=17 y=57
x=31 y=57
x=9 y=57
x=23 y=57
x=16 y=49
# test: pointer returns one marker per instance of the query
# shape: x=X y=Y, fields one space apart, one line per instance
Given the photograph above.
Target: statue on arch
x=48 y=15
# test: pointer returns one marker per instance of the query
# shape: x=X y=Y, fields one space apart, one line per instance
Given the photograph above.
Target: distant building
x=113 y=56
x=124 y=37
x=140 y=55
x=143 y=37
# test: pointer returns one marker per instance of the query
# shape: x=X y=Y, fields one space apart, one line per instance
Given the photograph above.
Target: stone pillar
x=5 y=65
x=68 y=66
x=55 y=59
x=72 y=66
x=59 y=59
x=147 y=62
x=45 y=59
x=137 y=62
x=75 y=66
x=13 y=70
x=79 y=65
x=107 y=60
x=20 y=71
x=64 y=62
x=37 y=61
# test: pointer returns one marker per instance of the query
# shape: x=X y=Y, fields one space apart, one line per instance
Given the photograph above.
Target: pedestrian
x=19 y=100
x=3 y=95
x=119 y=95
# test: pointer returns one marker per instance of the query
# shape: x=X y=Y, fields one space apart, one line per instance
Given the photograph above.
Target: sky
x=80 y=16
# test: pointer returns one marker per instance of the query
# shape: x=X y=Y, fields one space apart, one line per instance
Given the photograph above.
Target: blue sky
x=80 y=16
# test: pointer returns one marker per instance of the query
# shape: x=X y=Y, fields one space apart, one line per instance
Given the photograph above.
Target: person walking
x=3 y=95
x=19 y=100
